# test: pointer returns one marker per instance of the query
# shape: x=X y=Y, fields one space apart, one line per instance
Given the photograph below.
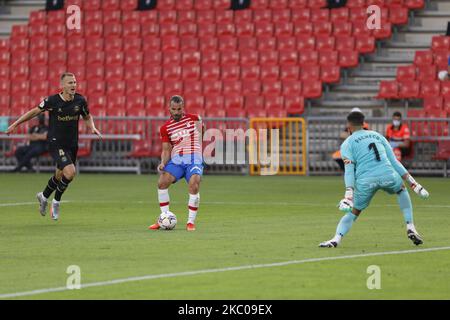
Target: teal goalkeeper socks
x=404 y=202
x=345 y=224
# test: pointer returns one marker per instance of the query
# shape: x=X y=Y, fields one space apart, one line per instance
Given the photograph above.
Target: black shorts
x=63 y=156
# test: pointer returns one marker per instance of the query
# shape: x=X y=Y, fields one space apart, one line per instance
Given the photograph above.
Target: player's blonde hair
x=66 y=74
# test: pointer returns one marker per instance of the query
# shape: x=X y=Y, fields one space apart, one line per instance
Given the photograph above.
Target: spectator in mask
x=398 y=135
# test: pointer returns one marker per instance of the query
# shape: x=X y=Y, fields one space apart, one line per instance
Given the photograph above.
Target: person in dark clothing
x=54 y=5
x=331 y=4
x=37 y=146
x=147 y=4
x=240 y=4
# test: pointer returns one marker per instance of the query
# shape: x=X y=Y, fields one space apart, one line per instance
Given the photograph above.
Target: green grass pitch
x=242 y=221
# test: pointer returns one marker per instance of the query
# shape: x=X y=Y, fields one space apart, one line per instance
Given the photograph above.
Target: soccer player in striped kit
x=181 y=156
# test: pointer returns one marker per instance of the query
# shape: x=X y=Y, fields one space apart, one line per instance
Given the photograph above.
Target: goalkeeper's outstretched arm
x=403 y=172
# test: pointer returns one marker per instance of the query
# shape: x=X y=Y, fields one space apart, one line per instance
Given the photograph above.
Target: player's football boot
x=190 y=227
x=328 y=244
x=42 y=204
x=54 y=210
x=154 y=226
x=414 y=237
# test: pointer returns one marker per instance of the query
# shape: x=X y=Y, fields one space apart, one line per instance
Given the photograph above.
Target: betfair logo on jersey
x=68 y=118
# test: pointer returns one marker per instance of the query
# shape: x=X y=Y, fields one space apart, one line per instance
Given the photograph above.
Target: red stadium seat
x=317 y=4
x=233 y=101
x=112 y=17
x=38 y=58
x=95 y=72
x=19 y=59
x=284 y=29
x=342 y=28
x=325 y=43
x=281 y=15
x=249 y=58
x=171 y=58
x=406 y=73
x=232 y=87
x=330 y=74
x=251 y=87
x=259 y=4
x=113 y=58
x=360 y=28
x=173 y=87
x=206 y=30
x=229 y=58
x=172 y=72
x=388 y=90
x=95 y=58
x=292 y=88
x=289 y=72
x=398 y=15
x=132 y=72
x=345 y=43
x=271 y=88
x=294 y=105
x=268 y=43
x=189 y=44
x=187 y=29
x=191 y=72
x=426 y=73
x=154 y=88
x=151 y=44
x=149 y=29
x=264 y=29
x=356 y=3
x=247 y=43
x=329 y=58
x=57 y=57
x=115 y=87
x=312 y=89
x=236 y=112
x=227 y=43
x=440 y=43
x=409 y=89
x=37 y=31
x=19 y=45
x=231 y=72
x=55 y=44
x=92 y=17
x=208 y=44
x=95 y=87
x=19 y=88
x=210 y=57
x=38 y=44
x=430 y=89
x=244 y=29
x=128 y=6
x=76 y=44
x=339 y=14
x=93 y=30
x=256 y=112
x=194 y=87
x=268 y=57
x=303 y=28
x=348 y=59
x=19 y=32
x=310 y=73
x=167 y=16
x=306 y=42
x=206 y=17
x=288 y=57
x=250 y=72
x=40 y=87
x=286 y=43
x=384 y=32
x=298 y=4
x=441 y=59
x=35 y=71
x=423 y=58
x=414 y=4
x=212 y=87
x=210 y=72
x=168 y=30
x=203 y=5
x=308 y=57
x=320 y=15
x=224 y=17
x=114 y=73
x=270 y=72
x=365 y=44
x=184 y=5
x=37 y=18
x=94 y=44
x=325 y=28
x=445 y=89
x=262 y=15
x=433 y=103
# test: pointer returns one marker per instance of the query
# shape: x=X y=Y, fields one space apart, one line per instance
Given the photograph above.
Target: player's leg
x=404 y=201
x=171 y=174
x=364 y=193
x=194 y=200
x=193 y=176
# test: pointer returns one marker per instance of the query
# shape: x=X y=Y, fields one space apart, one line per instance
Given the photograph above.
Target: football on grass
x=167 y=220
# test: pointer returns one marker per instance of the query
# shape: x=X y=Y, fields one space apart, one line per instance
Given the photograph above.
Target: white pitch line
x=16 y=204
x=206 y=271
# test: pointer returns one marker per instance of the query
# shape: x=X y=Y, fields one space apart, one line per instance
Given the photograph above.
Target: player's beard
x=177 y=117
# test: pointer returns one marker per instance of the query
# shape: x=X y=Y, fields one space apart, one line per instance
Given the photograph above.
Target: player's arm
x=165 y=155
x=24 y=118
x=89 y=120
x=403 y=172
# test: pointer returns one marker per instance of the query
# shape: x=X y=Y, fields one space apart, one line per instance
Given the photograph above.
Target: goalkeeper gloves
x=346 y=204
x=417 y=187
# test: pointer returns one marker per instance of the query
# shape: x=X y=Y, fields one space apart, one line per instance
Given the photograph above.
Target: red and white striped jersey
x=183 y=135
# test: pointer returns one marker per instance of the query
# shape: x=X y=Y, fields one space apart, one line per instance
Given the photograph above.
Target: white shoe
x=328 y=244
x=54 y=210
x=42 y=204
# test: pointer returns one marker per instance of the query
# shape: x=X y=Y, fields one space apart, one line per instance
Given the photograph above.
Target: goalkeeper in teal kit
x=370 y=165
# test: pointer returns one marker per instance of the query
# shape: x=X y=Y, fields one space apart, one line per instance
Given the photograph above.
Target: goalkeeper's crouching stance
x=370 y=165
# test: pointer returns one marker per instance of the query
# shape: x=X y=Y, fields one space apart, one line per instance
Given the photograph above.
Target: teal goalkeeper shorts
x=365 y=188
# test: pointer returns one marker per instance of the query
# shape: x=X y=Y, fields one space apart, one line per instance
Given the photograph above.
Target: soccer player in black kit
x=65 y=109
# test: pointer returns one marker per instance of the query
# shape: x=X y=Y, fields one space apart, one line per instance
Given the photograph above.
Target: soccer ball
x=443 y=75
x=167 y=220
